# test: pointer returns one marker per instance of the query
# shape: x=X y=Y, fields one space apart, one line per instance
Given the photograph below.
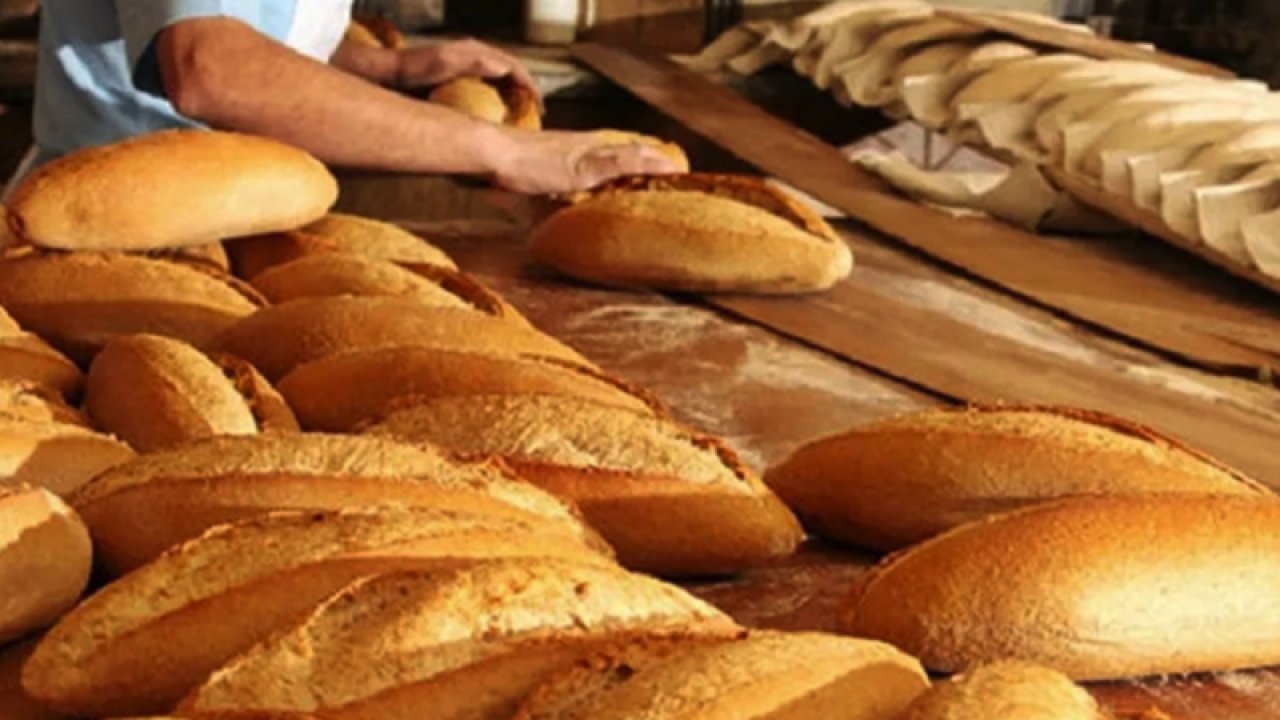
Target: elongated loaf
x=79 y=301
x=897 y=482
x=56 y=456
x=185 y=187
x=45 y=557
x=1096 y=588
x=335 y=232
x=341 y=392
x=280 y=338
x=709 y=233
x=382 y=637
x=504 y=103
x=142 y=643
x=766 y=675
x=1007 y=690
x=669 y=500
x=214 y=255
x=24 y=357
x=154 y=392
x=142 y=508
x=34 y=403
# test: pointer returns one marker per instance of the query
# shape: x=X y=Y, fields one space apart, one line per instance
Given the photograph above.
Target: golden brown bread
x=213 y=255
x=358 y=33
x=702 y=233
x=385 y=31
x=384 y=636
x=765 y=675
x=24 y=357
x=669 y=500
x=500 y=102
x=186 y=187
x=897 y=482
x=154 y=393
x=342 y=392
x=674 y=152
x=1096 y=588
x=140 y=644
x=45 y=557
x=1007 y=690
x=15 y=701
x=144 y=507
x=335 y=232
x=280 y=338
x=79 y=301
x=34 y=403
x=56 y=456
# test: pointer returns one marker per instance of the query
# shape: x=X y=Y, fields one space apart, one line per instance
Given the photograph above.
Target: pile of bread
x=1188 y=157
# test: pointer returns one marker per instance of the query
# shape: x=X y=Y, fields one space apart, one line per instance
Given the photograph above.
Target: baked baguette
x=55 y=456
x=342 y=392
x=79 y=301
x=382 y=639
x=669 y=500
x=505 y=103
x=280 y=338
x=335 y=232
x=1096 y=588
x=1008 y=690
x=897 y=482
x=142 y=643
x=154 y=393
x=764 y=676
x=24 y=357
x=701 y=233
x=142 y=508
x=29 y=402
x=45 y=557
x=186 y=187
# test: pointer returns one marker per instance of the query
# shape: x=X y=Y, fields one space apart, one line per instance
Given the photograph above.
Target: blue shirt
x=99 y=81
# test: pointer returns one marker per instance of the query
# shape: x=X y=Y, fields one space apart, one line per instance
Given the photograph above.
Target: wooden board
x=1096 y=46
x=1222 y=330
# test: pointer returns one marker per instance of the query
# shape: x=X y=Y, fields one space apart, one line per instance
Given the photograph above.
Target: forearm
x=223 y=73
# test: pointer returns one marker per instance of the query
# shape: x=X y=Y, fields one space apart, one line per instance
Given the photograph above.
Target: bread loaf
x=142 y=508
x=674 y=152
x=154 y=392
x=139 y=645
x=1096 y=588
x=669 y=500
x=55 y=456
x=900 y=481
x=185 y=187
x=26 y=358
x=79 y=301
x=767 y=675
x=45 y=556
x=280 y=338
x=701 y=233
x=1008 y=690
x=500 y=103
x=213 y=255
x=335 y=232
x=29 y=402
x=384 y=637
x=342 y=392
x=15 y=701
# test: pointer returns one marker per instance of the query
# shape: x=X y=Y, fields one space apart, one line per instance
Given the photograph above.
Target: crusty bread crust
x=45 y=556
x=57 y=456
x=186 y=187
x=1007 y=690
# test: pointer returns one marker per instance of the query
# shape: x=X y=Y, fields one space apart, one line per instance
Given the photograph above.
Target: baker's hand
x=425 y=66
x=551 y=163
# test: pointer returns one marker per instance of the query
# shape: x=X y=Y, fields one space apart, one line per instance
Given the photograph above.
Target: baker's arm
x=430 y=65
x=223 y=73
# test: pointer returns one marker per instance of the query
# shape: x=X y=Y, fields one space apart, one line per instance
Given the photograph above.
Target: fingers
x=605 y=163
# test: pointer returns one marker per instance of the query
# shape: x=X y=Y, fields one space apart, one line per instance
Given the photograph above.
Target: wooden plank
x=1096 y=46
x=1217 y=329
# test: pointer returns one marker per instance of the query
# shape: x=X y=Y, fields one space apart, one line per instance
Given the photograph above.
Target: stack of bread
x=1188 y=157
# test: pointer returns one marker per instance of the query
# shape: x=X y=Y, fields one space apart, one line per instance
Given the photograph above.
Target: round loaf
x=24 y=357
x=280 y=338
x=508 y=104
x=154 y=393
x=894 y=483
x=1096 y=588
x=693 y=233
x=435 y=624
x=139 y=645
x=669 y=500
x=45 y=557
x=1008 y=690
x=185 y=187
x=55 y=456
x=342 y=392
x=79 y=301
x=335 y=232
x=142 y=508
